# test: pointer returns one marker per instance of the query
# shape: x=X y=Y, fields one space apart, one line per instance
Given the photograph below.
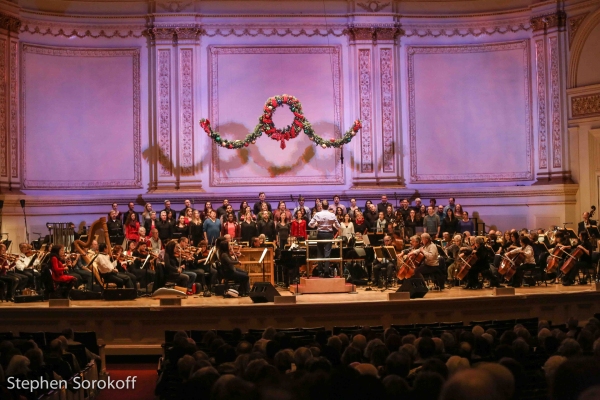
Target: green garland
x=292 y=131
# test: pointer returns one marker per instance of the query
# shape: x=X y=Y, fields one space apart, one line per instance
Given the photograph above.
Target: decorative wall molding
x=187 y=111
x=477 y=48
x=174 y=6
x=585 y=106
x=241 y=30
x=174 y=33
x=13 y=107
x=387 y=108
x=586 y=27
x=365 y=96
x=373 y=34
x=480 y=28
x=34 y=27
x=573 y=25
x=540 y=62
x=9 y=23
x=3 y=103
x=215 y=52
x=373 y=6
x=555 y=91
x=164 y=111
x=548 y=21
x=134 y=183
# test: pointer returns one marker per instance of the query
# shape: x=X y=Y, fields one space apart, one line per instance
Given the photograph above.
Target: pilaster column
x=9 y=103
x=551 y=52
x=375 y=61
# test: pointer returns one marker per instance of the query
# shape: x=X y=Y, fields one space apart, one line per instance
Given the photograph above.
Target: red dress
x=58 y=272
x=132 y=232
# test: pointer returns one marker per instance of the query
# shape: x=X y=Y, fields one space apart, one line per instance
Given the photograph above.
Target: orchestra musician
x=529 y=263
x=108 y=271
x=146 y=274
x=431 y=264
x=57 y=263
x=172 y=268
x=453 y=250
x=584 y=263
x=200 y=267
x=228 y=266
x=185 y=258
x=123 y=261
x=586 y=223
x=26 y=263
x=12 y=281
x=482 y=265
x=384 y=263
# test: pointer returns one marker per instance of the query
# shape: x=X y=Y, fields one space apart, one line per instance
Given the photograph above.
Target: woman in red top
x=299 y=226
x=132 y=228
x=57 y=254
x=231 y=227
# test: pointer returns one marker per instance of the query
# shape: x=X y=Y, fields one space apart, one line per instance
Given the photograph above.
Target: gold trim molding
x=585 y=106
x=548 y=21
x=10 y=23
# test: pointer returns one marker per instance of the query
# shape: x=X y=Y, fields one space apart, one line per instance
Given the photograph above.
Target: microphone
x=22 y=201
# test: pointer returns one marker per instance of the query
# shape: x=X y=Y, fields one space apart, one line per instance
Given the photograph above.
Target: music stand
x=146 y=275
x=91 y=268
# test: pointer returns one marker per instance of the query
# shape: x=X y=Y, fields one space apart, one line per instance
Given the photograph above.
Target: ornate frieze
x=387 y=108
x=9 y=23
x=548 y=21
x=583 y=106
x=366 y=97
x=167 y=33
x=3 y=130
x=373 y=34
x=13 y=107
x=556 y=109
x=164 y=111
x=573 y=25
x=373 y=6
x=540 y=62
x=187 y=111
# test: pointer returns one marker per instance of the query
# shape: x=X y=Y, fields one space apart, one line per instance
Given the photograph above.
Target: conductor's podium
x=322 y=285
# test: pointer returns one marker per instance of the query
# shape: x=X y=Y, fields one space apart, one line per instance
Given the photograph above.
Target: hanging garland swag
x=267 y=126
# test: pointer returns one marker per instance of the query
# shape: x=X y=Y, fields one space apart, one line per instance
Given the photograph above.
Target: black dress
x=197 y=232
x=248 y=231
x=283 y=232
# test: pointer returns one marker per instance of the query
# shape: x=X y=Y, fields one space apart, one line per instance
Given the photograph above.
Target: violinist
x=147 y=274
x=185 y=259
x=583 y=263
x=12 y=281
x=121 y=262
x=26 y=263
x=201 y=268
x=384 y=263
x=529 y=263
x=172 y=268
x=57 y=260
x=228 y=265
x=482 y=265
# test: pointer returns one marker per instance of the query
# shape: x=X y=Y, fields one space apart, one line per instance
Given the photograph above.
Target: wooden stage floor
x=137 y=326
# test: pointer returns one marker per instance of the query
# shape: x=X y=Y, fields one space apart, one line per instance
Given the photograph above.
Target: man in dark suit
x=382 y=207
x=258 y=205
x=114 y=224
x=586 y=223
x=130 y=211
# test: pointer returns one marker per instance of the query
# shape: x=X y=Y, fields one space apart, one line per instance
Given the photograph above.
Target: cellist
x=584 y=262
x=529 y=263
x=482 y=265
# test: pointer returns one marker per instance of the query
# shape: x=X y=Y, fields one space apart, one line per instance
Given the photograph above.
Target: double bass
x=510 y=263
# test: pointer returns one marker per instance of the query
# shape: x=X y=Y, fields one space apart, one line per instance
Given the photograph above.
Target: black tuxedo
x=581 y=225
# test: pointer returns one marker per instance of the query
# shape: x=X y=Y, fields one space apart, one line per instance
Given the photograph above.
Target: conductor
x=325 y=222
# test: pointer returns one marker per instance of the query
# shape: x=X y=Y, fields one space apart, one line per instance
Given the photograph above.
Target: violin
x=510 y=263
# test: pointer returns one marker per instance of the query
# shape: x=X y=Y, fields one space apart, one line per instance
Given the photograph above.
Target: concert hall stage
x=137 y=326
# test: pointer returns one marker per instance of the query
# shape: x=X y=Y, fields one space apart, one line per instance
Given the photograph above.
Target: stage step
x=322 y=285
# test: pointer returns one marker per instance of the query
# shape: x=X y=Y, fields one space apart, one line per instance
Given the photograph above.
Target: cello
x=466 y=265
x=554 y=259
x=409 y=265
x=510 y=263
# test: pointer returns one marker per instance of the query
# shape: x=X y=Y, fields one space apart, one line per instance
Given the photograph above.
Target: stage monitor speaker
x=263 y=292
x=76 y=294
x=415 y=286
x=119 y=294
